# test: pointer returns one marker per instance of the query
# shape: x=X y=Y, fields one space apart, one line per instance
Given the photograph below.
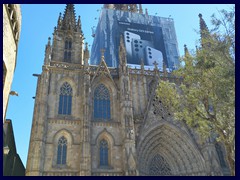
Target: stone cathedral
x=107 y=121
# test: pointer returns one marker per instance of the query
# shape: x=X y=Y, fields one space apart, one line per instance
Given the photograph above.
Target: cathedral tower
x=59 y=143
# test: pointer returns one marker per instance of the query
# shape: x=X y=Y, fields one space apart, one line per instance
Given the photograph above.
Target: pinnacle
x=69 y=18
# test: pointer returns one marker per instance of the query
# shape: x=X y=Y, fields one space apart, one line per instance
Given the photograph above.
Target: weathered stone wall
x=10 y=44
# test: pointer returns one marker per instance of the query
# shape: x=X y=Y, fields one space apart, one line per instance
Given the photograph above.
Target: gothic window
x=65 y=99
x=103 y=153
x=220 y=155
x=62 y=150
x=102 y=103
x=159 y=166
x=67 y=50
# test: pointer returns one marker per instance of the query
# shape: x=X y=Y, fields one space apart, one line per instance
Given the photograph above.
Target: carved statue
x=131 y=134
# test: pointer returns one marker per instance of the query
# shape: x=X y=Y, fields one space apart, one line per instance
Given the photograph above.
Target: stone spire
x=59 y=20
x=186 y=57
x=203 y=29
x=48 y=51
x=79 y=24
x=122 y=52
x=68 y=38
x=86 y=54
x=69 y=18
x=203 y=25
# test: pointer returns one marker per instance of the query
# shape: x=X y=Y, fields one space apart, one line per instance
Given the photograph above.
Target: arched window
x=159 y=166
x=65 y=99
x=102 y=103
x=67 y=50
x=103 y=153
x=62 y=151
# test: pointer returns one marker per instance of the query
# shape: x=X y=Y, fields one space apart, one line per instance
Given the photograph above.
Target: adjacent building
x=12 y=164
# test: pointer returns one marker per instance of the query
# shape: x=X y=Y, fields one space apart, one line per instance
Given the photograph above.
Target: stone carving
x=131 y=134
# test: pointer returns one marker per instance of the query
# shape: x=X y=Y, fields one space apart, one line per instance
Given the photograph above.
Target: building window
x=67 y=50
x=62 y=151
x=102 y=103
x=65 y=99
x=159 y=166
x=103 y=153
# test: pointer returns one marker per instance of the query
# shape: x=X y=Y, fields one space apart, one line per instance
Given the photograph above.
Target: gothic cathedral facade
x=99 y=120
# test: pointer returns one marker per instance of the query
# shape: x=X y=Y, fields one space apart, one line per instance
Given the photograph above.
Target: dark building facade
x=12 y=163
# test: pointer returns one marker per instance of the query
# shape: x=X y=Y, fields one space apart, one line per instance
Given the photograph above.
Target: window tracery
x=103 y=153
x=65 y=99
x=102 y=103
x=62 y=151
x=159 y=166
x=159 y=109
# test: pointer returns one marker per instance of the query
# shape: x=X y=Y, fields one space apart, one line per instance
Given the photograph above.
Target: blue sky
x=38 y=21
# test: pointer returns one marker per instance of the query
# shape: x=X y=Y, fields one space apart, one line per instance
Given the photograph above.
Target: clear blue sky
x=38 y=21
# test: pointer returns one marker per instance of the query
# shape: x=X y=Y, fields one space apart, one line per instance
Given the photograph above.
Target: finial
x=59 y=19
x=86 y=54
x=142 y=64
x=200 y=15
x=121 y=40
x=164 y=68
x=146 y=11
x=155 y=65
x=49 y=39
x=79 y=20
x=186 y=50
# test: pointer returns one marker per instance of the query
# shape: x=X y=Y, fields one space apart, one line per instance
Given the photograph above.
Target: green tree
x=205 y=99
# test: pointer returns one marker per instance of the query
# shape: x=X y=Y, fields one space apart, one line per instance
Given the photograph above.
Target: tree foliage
x=205 y=100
